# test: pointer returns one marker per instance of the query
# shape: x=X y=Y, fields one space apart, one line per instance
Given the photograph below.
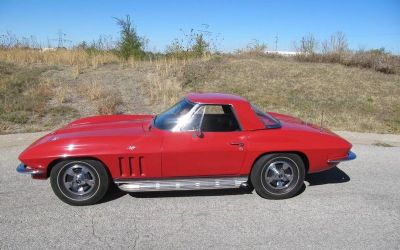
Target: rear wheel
x=79 y=182
x=278 y=176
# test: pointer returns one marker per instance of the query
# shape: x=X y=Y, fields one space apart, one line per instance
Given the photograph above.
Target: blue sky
x=367 y=24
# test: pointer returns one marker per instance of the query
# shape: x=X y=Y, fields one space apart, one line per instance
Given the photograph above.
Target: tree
x=200 y=46
x=308 y=44
x=130 y=43
x=337 y=44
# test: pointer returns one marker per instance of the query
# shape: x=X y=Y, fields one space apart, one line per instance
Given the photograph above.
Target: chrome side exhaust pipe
x=133 y=185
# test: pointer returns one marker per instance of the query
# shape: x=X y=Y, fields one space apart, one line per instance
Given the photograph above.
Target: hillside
x=43 y=95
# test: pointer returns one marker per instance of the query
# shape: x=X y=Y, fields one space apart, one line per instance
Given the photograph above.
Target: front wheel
x=79 y=182
x=278 y=176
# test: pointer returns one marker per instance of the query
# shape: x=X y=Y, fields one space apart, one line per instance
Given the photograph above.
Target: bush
x=109 y=105
x=195 y=44
x=385 y=63
x=376 y=59
x=255 y=48
x=336 y=50
x=200 y=47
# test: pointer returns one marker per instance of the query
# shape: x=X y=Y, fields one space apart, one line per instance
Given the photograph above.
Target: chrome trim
x=350 y=156
x=23 y=169
x=78 y=178
x=181 y=184
x=279 y=174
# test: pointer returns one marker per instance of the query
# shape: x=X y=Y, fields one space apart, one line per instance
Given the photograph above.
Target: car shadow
x=332 y=176
x=113 y=193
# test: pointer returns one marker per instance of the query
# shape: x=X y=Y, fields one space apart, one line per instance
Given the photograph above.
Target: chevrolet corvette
x=205 y=141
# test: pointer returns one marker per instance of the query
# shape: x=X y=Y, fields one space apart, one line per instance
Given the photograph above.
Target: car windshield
x=269 y=121
x=169 y=119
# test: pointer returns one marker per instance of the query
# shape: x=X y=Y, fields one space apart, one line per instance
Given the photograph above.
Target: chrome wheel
x=80 y=182
x=279 y=174
x=79 y=179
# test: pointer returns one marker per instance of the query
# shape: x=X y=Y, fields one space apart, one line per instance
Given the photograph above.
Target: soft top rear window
x=269 y=121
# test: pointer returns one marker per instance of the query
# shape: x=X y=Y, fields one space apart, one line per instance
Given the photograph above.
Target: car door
x=210 y=144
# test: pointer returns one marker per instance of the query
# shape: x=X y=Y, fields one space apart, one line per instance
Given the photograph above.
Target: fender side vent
x=130 y=166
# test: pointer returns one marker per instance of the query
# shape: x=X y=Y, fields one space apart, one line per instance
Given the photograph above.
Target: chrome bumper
x=350 y=156
x=23 y=169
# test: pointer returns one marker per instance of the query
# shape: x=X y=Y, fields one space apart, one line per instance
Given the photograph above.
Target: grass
x=109 y=105
x=348 y=98
x=382 y=144
x=375 y=60
x=24 y=97
x=78 y=58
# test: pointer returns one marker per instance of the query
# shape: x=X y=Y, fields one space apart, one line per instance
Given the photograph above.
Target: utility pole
x=61 y=39
x=276 y=42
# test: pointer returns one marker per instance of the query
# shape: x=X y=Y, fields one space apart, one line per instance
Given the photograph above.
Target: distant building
x=47 y=49
x=283 y=53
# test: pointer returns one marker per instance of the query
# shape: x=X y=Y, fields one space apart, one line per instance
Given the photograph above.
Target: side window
x=219 y=118
x=194 y=121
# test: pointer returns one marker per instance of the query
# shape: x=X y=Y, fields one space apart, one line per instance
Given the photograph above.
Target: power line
x=61 y=39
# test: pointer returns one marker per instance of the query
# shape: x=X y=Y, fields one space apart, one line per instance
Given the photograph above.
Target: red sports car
x=205 y=141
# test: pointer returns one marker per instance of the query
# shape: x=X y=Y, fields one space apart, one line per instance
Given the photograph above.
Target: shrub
x=176 y=49
x=109 y=105
x=254 y=48
x=336 y=50
x=195 y=44
x=200 y=47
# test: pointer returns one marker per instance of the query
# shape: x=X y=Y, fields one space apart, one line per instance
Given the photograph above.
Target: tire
x=80 y=182
x=278 y=176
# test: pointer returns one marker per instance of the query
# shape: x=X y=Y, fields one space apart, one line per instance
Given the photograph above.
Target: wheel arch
x=58 y=160
x=302 y=155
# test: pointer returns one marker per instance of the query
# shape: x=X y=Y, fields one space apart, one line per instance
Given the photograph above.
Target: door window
x=219 y=118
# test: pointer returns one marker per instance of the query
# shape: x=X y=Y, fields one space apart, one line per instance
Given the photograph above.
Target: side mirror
x=197 y=133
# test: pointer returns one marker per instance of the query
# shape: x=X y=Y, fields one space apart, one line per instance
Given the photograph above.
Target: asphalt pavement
x=354 y=206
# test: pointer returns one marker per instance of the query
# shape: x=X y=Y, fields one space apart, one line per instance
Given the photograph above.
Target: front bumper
x=350 y=156
x=23 y=169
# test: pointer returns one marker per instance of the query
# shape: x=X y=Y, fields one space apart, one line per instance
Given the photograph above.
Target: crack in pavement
x=137 y=235
x=96 y=236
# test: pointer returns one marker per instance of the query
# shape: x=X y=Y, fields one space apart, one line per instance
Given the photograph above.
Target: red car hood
x=101 y=126
x=107 y=125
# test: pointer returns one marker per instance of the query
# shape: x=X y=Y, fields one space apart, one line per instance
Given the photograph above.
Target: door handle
x=240 y=144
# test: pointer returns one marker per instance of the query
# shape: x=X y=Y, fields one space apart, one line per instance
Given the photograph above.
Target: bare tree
x=337 y=44
x=308 y=44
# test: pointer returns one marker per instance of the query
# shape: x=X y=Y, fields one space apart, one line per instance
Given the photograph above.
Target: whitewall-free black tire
x=79 y=182
x=278 y=175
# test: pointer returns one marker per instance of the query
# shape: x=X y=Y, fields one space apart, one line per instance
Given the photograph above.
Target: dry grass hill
x=44 y=90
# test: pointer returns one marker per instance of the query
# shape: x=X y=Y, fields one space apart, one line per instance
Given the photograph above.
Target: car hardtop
x=215 y=98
